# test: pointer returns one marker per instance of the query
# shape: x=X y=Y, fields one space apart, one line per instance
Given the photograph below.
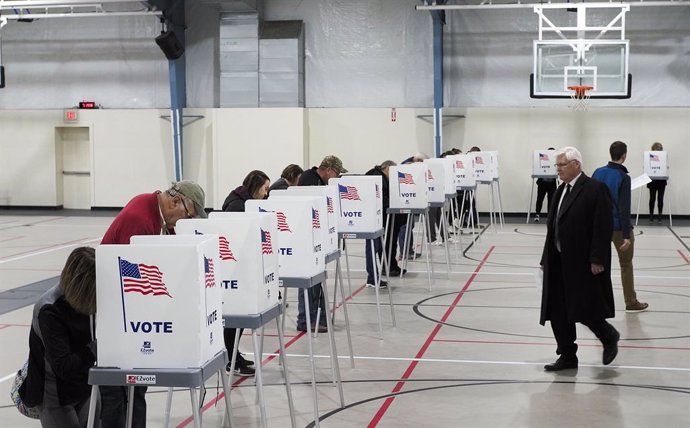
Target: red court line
x=491 y=342
x=267 y=360
x=3 y=325
x=386 y=404
x=684 y=257
x=11 y=238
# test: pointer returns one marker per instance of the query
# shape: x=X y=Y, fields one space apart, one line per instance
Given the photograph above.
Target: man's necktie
x=565 y=197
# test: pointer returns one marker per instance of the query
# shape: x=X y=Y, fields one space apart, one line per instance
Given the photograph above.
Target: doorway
x=73 y=166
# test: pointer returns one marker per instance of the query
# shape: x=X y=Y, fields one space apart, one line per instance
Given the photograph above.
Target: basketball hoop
x=580 y=96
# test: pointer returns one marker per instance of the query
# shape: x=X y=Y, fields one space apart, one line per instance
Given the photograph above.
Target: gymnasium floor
x=469 y=352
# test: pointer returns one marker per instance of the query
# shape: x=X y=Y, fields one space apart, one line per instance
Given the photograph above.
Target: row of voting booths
x=654 y=166
x=161 y=294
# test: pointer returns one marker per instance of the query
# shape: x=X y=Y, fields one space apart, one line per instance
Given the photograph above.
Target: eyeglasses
x=185 y=209
x=563 y=164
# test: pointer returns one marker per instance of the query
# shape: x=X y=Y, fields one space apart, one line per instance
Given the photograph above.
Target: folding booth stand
x=383 y=264
x=305 y=283
x=191 y=378
x=254 y=322
x=543 y=166
x=338 y=280
x=424 y=217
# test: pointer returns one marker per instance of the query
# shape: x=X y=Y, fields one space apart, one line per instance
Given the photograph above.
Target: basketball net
x=580 y=96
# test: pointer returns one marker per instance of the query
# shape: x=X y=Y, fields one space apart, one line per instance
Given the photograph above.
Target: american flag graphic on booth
x=405 y=178
x=266 y=245
x=315 y=223
x=654 y=158
x=209 y=275
x=282 y=220
x=329 y=204
x=348 y=192
x=142 y=279
x=459 y=164
x=225 y=251
x=478 y=160
x=378 y=193
x=543 y=157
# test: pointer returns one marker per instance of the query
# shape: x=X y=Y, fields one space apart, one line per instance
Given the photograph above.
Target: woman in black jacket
x=62 y=346
x=254 y=186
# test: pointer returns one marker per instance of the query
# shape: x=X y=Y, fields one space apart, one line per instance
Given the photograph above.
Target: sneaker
x=241 y=370
x=396 y=272
x=437 y=243
x=244 y=361
x=414 y=256
x=383 y=284
x=536 y=218
x=636 y=307
x=320 y=328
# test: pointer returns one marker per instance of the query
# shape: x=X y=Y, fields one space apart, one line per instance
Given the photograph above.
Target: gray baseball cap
x=194 y=193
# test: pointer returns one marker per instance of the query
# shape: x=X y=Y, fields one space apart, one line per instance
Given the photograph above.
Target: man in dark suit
x=577 y=262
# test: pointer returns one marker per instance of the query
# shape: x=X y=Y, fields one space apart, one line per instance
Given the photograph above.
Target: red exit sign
x=70 y=115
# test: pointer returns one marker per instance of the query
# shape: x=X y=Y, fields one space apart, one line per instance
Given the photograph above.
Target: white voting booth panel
x=329 y=221
x=656 y=164
x=464 y=170
x=493 y=163
x=544 y=163
x=248 y=273
x=300 y=248
x=483 y=170
x=157 y=296
x=435 y=179
x=408 y=187
x=449 y=179
x=359 y=203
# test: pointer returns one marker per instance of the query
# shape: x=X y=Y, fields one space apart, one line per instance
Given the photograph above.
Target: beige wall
x=132 y=150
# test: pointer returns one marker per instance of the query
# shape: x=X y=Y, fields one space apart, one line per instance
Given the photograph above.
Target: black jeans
x=114 y=406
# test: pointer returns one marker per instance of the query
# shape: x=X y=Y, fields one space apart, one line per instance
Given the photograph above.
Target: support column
x=178 y=85
x=439 y=19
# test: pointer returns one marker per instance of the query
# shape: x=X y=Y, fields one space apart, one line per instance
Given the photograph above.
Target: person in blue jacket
x=616 y=178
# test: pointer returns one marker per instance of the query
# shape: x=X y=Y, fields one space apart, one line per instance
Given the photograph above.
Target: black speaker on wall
x=2 y=76
x=170 y=45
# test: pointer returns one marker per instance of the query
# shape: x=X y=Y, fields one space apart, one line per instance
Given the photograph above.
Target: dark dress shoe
x=562 y=363
x=396 y=272
x=610 y=351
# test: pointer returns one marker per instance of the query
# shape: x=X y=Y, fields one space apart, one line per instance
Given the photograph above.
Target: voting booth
x=436 y=180
x=156 y=296
x=329 y=221
x=656 y=164
x=359 y=203
x=483 y=170
x=299 y=239
x=449 y=178
x=408 y=186
x=464 y=171
x=544 y=164
x=493 y=163
x=248 y=264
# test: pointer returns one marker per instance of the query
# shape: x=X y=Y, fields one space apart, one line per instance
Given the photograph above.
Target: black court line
x=491 y=382
x=26 y=295
x=416 y=309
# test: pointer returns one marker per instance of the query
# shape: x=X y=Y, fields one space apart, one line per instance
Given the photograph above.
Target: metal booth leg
x=311 y=357
x=529 y=205
x=339 y=273
x=377 y=284
x=335 y=366
x=258 y=378
x=425 y=231
x=92 y=407
x=168 y=405
x=283 y=361
x=195 y=407
x=130 y=405
x=406 y=243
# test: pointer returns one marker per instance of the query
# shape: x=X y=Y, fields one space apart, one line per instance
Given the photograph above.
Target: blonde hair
x=78 y=280
x=657 y=147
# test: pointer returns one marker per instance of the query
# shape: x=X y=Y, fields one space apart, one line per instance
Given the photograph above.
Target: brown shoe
x=637 y=307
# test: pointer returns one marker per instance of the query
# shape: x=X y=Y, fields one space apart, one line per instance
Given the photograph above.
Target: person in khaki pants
x=616 y=178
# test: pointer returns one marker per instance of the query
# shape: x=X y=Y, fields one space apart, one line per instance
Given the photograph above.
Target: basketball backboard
x=581 y=45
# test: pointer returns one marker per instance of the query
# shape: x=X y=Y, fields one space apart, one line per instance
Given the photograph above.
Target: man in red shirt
x=147 y=214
